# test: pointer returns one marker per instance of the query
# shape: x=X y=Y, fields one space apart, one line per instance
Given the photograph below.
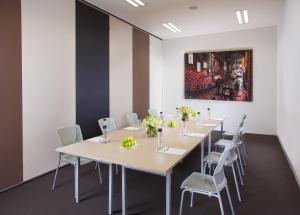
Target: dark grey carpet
x=270 y=188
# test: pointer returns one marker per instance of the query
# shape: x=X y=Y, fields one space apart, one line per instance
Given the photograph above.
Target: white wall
x=156 y=73
x=120 y=71
x=262 y=111
x=288 y=115
x=48 y=69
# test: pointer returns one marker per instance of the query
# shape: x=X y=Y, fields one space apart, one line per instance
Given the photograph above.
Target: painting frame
x=219 y=74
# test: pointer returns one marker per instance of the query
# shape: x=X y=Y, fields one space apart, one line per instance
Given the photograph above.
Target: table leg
x=221 y=129
x=202 y=156
x=209 y=142
x=168 y=192
x=110 y=188
x=77 y=184
x=124 y=208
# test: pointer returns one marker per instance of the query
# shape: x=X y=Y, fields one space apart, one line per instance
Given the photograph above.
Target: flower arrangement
x=172 y=124
x=128 y=143
x=185 y=112
x=152 y=123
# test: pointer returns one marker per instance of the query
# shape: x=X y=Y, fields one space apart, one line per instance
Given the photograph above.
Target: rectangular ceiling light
x=246 y=18
x=172 y=27
x=239 y=17
x=242 y=18
x=136 y=3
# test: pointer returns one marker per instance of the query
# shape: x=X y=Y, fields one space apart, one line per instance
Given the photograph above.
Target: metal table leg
x=222 y=128
x=168 y=192
x=110 y=188
x=209 y=142
x=124 y=208
x=77 y=184
x=202 y=156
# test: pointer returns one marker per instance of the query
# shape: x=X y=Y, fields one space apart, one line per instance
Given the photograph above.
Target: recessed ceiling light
x=136 y=3
x=239 y=17
x=242 y=19
x=246 y=18
x=172 y=27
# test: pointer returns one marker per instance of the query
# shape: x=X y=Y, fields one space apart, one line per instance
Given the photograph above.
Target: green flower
x=172 y=124
x=152 y=121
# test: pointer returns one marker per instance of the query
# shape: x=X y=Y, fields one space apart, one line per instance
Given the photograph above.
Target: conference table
x=144 y=157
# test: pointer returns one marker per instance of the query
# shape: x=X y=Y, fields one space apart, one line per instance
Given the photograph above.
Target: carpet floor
x=270 y=188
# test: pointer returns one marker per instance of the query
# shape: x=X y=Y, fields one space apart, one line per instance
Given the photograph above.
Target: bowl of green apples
x=128 y=143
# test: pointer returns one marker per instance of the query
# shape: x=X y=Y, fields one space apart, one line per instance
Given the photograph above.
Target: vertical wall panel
x=48 y=72
x=120 y=70
x=92 y=68
x=156 y=73
x=11 y=162
x=140 y=72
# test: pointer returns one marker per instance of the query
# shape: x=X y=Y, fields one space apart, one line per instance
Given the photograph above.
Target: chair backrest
x=109 y=122
x=132 y=118
x=69 y=135
x=237 y=135
x=153 y=113
x=219 y=175
x=243 y=121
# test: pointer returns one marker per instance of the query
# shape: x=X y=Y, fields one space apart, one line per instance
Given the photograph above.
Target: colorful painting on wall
x=219 y=75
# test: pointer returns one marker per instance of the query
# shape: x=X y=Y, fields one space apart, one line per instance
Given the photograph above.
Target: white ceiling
x=212 y=16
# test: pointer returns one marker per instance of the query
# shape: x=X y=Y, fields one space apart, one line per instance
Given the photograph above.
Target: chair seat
x=215 y=158
x=73 y=159
x=223 y=142
x=228 y=133
x=199 y=182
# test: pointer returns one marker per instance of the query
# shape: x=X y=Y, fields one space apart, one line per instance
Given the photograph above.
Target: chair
x=109 y=122
x=70 y=135
x=153 y=113
x=208 y=185
x=232 y=158
x=132 y=119
x=241 y=141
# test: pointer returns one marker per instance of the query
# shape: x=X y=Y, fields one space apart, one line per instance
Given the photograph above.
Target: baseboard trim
x=29 y=180
x=290 y=163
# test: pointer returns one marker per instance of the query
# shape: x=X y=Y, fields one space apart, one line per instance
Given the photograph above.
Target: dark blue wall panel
x=92 y=68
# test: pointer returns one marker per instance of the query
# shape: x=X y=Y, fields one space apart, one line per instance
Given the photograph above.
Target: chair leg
x=229 y=199
x=236 y=183
x=244 y=146
x=243 y=154
x=96 y=166
x=239 y=171
x=181 y=201
x=240 y=160
x=99 y=172
x=192 y=198
x=221 y=205
x=54 y=180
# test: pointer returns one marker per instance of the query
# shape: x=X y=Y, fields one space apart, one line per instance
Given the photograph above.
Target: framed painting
x=219 y=75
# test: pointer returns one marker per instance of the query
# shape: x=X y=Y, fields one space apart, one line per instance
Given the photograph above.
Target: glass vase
x=151 y=131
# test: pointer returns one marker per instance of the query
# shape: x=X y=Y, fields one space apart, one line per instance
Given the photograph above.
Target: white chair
x=232 y=158
x=70 y=135
x=109 y=122
x=132 y=119
x=241 y=141
x=153 y=113
x=207 y=184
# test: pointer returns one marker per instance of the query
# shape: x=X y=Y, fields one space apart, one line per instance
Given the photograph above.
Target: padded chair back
x=219 y=175
x=69 y=135
x=153 y=113
x=109 y=122
x=132 y=118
